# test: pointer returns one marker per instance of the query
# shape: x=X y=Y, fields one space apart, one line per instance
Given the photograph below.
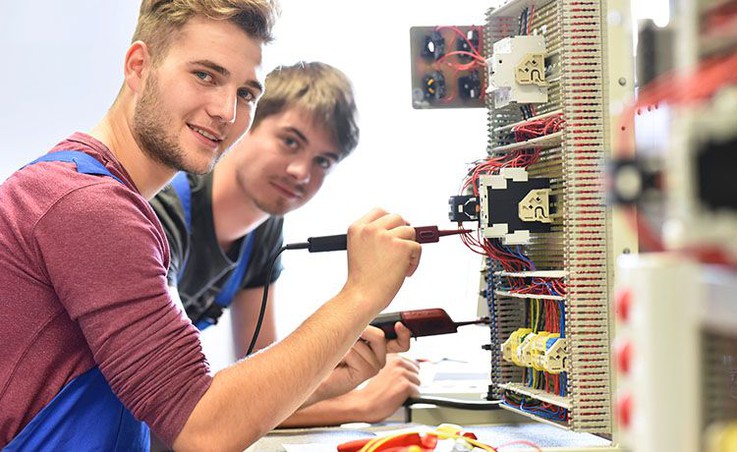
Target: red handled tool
x=422 y=322
x=431 y=234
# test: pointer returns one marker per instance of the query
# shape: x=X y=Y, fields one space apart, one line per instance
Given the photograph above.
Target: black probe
x=423 y=234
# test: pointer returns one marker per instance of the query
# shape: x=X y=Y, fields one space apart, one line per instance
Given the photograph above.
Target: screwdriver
x=422 y=322
x=423 y=234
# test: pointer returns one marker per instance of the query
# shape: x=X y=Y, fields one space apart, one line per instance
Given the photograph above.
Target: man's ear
x=137 y=62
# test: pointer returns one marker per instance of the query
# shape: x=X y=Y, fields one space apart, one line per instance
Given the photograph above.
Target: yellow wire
x=480 y=445
x=374 y=444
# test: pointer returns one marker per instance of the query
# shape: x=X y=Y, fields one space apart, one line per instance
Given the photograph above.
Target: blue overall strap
x=231 y=286
x=86 y=164
x=84 y=415
x=180 y=183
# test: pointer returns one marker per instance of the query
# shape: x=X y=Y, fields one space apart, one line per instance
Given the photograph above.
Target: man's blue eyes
x=244 y=94
x=204 y=76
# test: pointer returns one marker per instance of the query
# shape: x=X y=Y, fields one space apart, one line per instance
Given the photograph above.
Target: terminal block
x=543 y=351
x=536 y=206
x=512 y=206
x=517 y=71
x=511 y=347
x=524 y=351
x=538 y=347
x=531 y=70
x=556 y=355
x=463 y=208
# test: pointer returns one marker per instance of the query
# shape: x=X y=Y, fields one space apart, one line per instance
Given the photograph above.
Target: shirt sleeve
x=106 y=256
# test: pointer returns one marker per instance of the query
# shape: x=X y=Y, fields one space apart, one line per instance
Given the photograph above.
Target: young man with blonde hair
x=225 y=228
x=95 y=349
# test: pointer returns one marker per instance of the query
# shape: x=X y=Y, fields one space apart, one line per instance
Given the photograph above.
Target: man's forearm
x=335 y=411
x=251 y=397
x=382 y=396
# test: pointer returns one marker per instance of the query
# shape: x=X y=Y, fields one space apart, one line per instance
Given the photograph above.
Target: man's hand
x=363 y=361
x=382 y=396
x=382 y=252
x=401 y=343
x=386 y=392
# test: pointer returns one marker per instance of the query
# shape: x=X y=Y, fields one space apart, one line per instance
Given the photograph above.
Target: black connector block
x=463 y=208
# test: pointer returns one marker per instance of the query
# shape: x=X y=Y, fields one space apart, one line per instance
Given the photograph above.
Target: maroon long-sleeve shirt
x=83 y=262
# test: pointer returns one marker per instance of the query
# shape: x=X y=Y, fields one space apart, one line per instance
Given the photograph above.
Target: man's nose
x=223 y=105
x=299 y=169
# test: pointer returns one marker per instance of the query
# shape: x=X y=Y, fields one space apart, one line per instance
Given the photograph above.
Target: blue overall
x=85 y=414
x=224 y=298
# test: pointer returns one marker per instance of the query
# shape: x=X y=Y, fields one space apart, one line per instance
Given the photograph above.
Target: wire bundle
x=538 y=128
x=536 y=286
x=541 y=409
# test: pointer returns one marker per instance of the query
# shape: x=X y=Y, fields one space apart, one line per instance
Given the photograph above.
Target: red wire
x=529 y=20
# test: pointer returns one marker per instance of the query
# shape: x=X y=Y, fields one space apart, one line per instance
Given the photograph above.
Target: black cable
x=480 y=405
x=262 y=311
x=313 y=245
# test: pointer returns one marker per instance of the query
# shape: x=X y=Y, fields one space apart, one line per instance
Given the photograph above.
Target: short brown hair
x=319 y=90
x=159 y=20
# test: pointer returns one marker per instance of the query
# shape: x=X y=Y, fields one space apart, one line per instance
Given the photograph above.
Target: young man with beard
x=225 y=228
x=94 y=348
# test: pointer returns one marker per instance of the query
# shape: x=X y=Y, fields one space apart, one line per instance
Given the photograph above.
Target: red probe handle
x=421 y=322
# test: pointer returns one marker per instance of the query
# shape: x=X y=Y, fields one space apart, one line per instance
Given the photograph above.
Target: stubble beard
x=150 y=129
x=272 y=207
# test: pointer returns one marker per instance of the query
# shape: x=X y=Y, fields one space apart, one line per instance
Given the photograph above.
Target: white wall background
x=62 y=67
x=408 y=161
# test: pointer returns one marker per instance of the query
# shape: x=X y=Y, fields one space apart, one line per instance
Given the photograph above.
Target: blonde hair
x=160 y=20
x=317 y=89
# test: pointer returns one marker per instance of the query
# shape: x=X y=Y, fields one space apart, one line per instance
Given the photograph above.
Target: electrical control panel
x=538 y=196
x=562 y=192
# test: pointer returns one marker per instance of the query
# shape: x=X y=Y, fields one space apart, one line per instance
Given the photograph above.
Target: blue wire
x=518 y=253
x=562 y=319
x=563 y=383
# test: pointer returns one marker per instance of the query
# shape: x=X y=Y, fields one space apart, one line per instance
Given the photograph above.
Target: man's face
x=282 y=163
x=199 y=99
